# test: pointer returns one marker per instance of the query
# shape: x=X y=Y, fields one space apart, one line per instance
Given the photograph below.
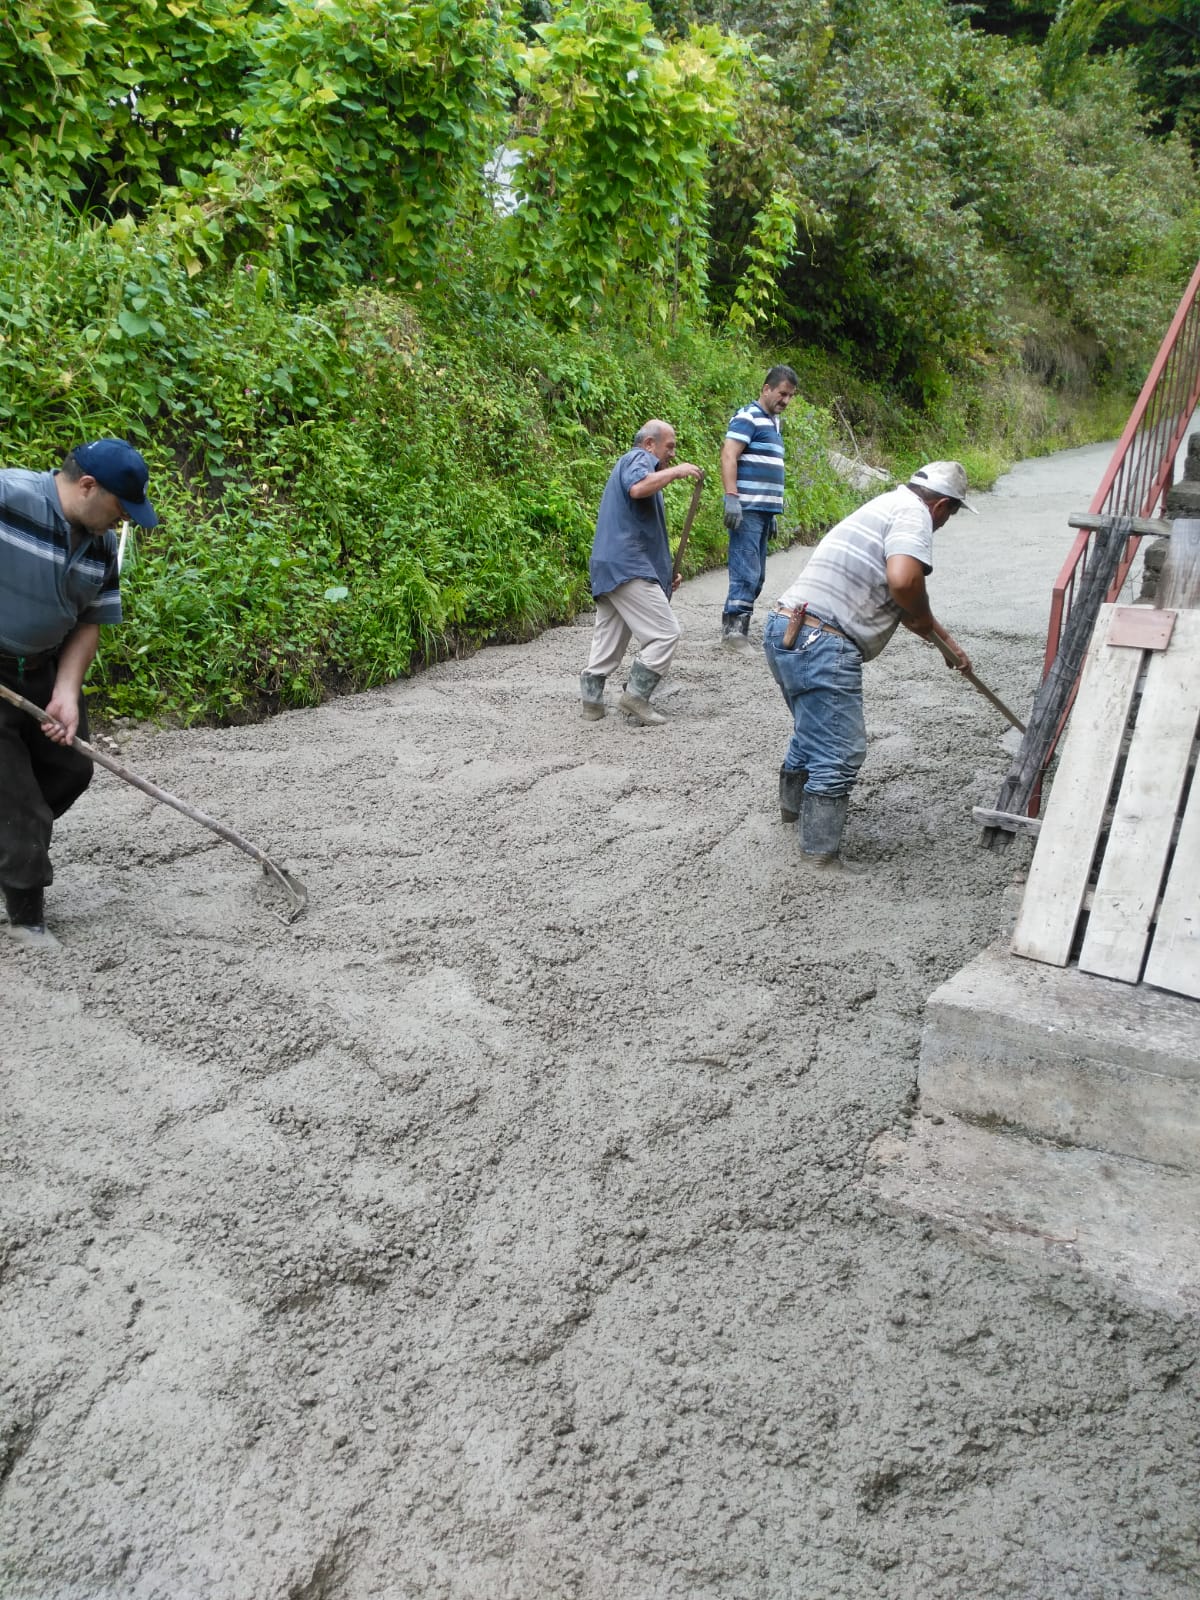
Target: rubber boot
x=735 y=631
x=791 y=788
x=27 y=918
x=636 y=699
x=822 y=821
x=591 y=695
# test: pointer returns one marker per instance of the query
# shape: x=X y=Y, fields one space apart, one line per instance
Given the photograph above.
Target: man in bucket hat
x=59 y=583
x=865 y=578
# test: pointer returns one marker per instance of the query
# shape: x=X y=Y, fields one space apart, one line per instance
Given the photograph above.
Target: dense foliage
x=952 y=209
x=383 y=289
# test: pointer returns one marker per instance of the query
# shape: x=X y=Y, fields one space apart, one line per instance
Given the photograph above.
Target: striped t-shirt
x=760 y=465
x=49 y=582
x=845 y=582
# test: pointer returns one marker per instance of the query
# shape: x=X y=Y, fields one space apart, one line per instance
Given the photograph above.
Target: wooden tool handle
x=975 y=684
x=687 y=528
x=291 y=886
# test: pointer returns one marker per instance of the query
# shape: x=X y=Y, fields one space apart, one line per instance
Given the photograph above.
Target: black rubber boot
x=27 y=917
x=591 y=695
x=791 y=790
x=822 y=822
x=26 y=907
x=636 y=699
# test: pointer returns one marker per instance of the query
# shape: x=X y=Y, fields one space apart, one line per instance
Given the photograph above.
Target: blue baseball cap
x=117 y=467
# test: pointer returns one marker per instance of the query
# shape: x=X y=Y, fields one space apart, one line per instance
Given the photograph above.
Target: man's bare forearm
x=730 y=453
x=654 y=481
x=76 y=656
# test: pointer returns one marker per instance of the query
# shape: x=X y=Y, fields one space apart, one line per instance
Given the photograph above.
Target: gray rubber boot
x=27 y=918
x=735 y=631
x=636 y=699
x=591 y=695
x=822 y=821
x=791 y=789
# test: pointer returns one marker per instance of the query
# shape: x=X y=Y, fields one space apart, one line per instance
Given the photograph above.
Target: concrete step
x=1062 y=1055
x=1131 y=1226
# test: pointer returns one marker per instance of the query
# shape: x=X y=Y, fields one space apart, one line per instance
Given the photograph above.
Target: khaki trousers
x=636 y=609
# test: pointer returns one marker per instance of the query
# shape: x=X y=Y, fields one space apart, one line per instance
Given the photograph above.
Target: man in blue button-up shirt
x=631 y=574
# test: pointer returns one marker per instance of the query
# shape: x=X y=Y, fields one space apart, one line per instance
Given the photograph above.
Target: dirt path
x=494 y=1231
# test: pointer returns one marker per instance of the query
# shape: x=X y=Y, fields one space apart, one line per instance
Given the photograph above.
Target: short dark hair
x=779 y=375
x=70 y=469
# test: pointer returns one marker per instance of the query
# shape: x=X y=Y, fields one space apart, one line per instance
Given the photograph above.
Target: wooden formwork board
x=1126 y=864
x=1074 y=813
x=1174 y=961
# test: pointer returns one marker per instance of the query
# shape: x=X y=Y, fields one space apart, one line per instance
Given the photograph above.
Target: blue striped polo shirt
x=49 y=582
x=760 y=465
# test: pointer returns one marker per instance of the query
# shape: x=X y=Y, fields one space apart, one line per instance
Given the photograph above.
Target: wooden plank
x=1062 y=858
x=1139 y=839
x=1008 y=820
x=1151 y=527
x=1175 y=952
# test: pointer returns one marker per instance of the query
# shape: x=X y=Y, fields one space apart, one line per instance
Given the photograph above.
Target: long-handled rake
x=975 y=684
x=296 y=892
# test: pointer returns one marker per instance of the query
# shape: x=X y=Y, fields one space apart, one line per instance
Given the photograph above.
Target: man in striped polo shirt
x=752 y=477
x=58 y=584
x=865 y=578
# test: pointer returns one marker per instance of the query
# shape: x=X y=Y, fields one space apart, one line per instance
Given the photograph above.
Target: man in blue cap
x=59 y=583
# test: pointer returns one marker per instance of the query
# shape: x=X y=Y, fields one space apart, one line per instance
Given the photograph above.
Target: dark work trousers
x=39 y=779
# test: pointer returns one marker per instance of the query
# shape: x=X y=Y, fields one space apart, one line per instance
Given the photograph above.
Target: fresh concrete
x=495 y=1232
x=1059 y=1053
x=1129 y=1225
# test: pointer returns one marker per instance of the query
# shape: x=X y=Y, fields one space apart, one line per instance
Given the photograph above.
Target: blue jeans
x=748 y=561
x=820 y=678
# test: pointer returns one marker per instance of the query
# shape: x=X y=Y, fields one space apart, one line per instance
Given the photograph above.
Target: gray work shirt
x=50 y=580
x=631 y=535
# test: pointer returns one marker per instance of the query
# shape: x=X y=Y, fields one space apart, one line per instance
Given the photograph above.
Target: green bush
x=254 y=236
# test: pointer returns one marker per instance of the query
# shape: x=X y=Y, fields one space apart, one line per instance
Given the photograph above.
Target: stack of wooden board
x=1116 y=870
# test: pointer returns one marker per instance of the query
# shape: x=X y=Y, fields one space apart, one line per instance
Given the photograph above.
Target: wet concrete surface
x=496 y=1230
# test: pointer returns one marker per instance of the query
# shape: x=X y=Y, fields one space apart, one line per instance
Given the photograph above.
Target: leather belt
x=808 y=620
x=29 y=663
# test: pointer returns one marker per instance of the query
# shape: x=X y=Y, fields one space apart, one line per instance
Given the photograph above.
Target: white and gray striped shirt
x=845 y=582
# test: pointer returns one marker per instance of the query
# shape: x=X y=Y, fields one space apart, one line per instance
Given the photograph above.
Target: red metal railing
x=1140 y=471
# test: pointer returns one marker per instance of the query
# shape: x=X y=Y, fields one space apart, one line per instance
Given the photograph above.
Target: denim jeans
x=748 y=561
x=820 y=678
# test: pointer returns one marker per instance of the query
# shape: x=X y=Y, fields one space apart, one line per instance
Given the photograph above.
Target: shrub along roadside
x=351 y=490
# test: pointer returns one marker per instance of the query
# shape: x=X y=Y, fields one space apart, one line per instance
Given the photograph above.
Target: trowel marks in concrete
x=494 y=1232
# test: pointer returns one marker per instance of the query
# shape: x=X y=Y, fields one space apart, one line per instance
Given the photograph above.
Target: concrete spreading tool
x=975 y=684
x=296 y=892
x=687 y=528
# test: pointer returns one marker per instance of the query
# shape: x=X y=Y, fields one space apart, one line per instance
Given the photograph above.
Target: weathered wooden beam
x=1010 y=821
x=1101 y=521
